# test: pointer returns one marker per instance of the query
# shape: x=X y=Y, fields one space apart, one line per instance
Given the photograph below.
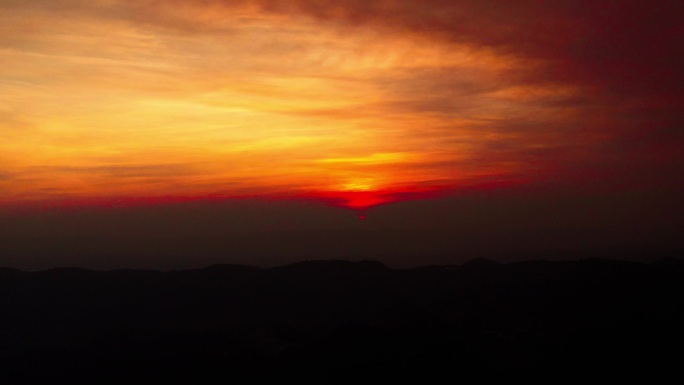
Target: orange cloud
x=142 y=99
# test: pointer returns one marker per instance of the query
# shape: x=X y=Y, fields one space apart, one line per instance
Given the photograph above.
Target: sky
x=406 y=128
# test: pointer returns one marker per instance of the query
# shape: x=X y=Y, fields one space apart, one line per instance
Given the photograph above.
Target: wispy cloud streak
x=281 y=97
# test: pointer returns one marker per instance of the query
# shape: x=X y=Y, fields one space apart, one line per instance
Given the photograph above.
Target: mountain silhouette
x=340 y=318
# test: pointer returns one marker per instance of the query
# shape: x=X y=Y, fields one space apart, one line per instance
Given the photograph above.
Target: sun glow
x=252 y=103
x=358 y=185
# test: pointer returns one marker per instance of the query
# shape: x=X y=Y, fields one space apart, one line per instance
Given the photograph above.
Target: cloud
x=258 y=92
x=626 y=49
x=128 y=171
x=13 y=124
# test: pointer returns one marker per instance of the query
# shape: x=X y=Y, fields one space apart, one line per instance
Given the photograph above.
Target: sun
x=365 y=184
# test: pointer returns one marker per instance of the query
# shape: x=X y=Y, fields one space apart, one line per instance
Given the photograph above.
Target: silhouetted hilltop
x=334 y=266
x=342 y=318
x=333 y=271
x=669 y=261
x=479 y=264
x=9 y=271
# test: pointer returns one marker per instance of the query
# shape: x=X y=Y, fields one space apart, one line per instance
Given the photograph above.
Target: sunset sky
x=346 y=102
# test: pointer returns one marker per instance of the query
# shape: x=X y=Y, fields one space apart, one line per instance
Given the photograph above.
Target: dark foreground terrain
x=342 y=322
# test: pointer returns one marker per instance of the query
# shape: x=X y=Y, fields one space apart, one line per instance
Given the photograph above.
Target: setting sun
x=280 y=104
x=120 y=100
x=359 y=185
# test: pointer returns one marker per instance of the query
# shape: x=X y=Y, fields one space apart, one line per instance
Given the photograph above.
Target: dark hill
x=341 y=319
x=480 y=264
